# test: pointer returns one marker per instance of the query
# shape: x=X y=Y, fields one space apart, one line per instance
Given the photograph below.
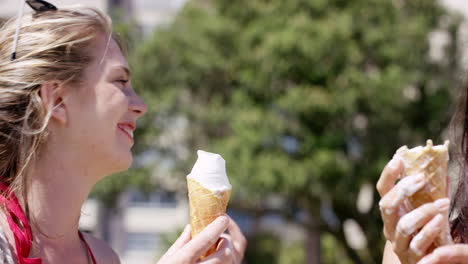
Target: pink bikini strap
x=23 y=236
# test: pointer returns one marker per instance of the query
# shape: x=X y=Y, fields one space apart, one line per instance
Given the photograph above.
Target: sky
x=459 y=6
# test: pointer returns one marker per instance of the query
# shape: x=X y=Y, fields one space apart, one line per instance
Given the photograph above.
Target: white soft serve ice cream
x=210 y=171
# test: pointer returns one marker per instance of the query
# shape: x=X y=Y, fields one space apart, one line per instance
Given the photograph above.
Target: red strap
x=23 y=237
x=87 y=246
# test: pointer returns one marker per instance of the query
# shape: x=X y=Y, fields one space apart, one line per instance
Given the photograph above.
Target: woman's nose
x=137 y=105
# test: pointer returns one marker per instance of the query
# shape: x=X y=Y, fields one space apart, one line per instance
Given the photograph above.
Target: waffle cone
x=433 y=163
x=205 y=206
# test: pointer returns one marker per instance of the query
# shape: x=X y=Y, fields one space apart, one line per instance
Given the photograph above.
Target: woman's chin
x=125 y=164
x=120 y=165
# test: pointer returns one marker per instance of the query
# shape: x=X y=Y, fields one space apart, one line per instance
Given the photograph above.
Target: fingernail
x=186 y=228
x=442 y=204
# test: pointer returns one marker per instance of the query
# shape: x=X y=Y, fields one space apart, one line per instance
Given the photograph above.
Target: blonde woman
x=67 y=116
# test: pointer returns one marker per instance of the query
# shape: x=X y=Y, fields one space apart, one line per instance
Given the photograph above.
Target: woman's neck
x=57 y=189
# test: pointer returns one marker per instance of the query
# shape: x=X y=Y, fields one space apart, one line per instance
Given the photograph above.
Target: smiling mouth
x=127 y=130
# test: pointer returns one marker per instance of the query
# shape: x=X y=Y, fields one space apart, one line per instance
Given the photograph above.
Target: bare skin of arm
x=389 y=257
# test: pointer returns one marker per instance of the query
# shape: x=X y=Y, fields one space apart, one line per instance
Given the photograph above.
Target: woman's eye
x=123 y=82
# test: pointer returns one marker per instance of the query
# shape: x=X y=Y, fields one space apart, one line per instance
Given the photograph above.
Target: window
x=143 y=241
x=161 y=199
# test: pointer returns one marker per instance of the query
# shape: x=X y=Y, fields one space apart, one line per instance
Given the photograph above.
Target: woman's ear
x=52 y=98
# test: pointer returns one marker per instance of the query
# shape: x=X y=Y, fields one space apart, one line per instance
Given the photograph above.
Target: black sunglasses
x=40 y=6
x=36 y=5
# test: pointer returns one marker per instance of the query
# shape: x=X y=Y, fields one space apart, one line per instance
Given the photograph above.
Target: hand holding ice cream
x=209 y=191
x=414 y=204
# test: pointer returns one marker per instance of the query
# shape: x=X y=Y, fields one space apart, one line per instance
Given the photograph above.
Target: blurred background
x=306 y=100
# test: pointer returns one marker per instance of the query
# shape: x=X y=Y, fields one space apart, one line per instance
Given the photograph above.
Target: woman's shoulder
x=101 y=250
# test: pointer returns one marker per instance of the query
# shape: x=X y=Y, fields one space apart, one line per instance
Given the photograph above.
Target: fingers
x=223 y=254
x=414 y=221
x=239 y=242
x=389 y=176
x=203 y=241
x=447 y=254
x=391 y=201
x=424 y=239
x=183 y=239
x=405 y=188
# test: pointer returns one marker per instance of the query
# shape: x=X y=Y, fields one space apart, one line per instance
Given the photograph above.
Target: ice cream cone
x=205 y=205
x=432 y=162
x=209 y=191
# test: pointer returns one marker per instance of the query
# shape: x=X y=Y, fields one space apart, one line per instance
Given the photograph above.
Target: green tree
x=305 y=99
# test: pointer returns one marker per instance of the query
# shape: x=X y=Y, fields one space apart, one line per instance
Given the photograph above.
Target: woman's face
x=103 y=111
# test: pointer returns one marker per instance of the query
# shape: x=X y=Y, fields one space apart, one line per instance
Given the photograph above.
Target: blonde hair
x=53 y=46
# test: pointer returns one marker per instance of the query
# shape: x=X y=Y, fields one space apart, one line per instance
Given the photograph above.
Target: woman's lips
x=127 y=129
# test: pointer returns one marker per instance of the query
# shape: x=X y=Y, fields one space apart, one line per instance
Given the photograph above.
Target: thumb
x=203 y=241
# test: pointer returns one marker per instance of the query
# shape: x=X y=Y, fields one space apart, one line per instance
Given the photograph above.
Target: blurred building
x=137 y=230
x=137 y=226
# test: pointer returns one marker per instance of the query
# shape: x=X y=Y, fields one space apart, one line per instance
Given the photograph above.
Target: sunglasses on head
x=40 y=6
x=36 y=5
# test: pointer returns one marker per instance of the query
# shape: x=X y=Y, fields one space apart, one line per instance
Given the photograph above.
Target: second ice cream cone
x=432 y=162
